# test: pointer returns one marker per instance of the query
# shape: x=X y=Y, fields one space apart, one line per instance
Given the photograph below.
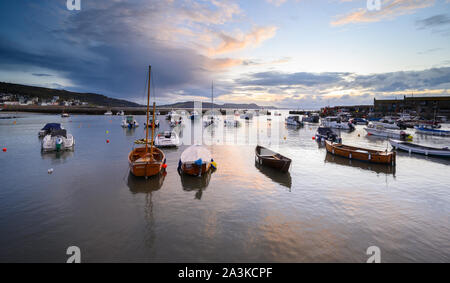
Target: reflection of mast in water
x=147 y=187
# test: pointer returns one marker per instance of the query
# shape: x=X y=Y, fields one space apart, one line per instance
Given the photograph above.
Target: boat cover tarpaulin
x=194 y=153
x=51 y=126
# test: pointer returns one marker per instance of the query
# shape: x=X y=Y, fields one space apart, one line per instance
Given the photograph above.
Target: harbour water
x=327 y=209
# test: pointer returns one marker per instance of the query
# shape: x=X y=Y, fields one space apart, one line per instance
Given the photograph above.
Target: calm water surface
x=326 y=209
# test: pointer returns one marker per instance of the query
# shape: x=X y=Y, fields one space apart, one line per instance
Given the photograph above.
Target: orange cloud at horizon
x=390 y=9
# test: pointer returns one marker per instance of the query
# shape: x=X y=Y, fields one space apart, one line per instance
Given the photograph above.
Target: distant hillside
x=190 y=104
x=47 y=94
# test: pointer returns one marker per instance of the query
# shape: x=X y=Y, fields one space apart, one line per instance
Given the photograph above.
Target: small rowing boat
x=429 y=130
x=420 y=149
x=267 y=157
x=351 y=152
x=195 y=160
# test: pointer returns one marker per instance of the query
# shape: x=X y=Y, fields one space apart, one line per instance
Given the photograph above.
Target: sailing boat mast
x=148 y=109
x=212 y=97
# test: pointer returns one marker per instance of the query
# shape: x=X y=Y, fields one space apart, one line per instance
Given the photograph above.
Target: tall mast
x=148 y=110
x=153 y=131
x=212 y=97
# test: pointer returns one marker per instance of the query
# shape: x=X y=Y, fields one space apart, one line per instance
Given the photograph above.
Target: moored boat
x=311 y=118
x=359 y=121
x=150 y=123
x=167 y=139
x=336 y=123
x=429 y=130
x=363 y=154
x=145 y=161
x=195 y=160
x=194 y=115
x=381 y=131
x=386 y=124
x=58 y=140
x=269 y=158
x=327 y=134
x=129 y=122
x=293 y=121
x=420 y=149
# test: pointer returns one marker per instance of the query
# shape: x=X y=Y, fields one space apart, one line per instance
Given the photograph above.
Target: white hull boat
x=335 y=123
x=294 y=121
x=58 y=140
x=380 y=131
x=129 y=122
x=391 y=126
x=167 y=139
x=428 y=130
x=420 y=149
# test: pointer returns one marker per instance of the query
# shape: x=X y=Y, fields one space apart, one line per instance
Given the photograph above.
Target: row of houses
x=425 y=106
x=12 y=99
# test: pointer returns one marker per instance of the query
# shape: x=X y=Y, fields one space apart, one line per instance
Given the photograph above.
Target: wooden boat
x=195 y=160
x=145 y=161
x=369 y=155
x=420 y=149
x=267 y=157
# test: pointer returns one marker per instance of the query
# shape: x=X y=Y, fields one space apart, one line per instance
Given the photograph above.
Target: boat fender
x=332 y=151
x=350 y=156
x=370 y=156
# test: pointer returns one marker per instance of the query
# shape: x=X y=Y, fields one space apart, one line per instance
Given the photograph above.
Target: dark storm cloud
x=106 y=47
x=397 y=81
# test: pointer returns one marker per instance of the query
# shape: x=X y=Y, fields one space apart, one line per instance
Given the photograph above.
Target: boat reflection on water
x=377 y=168
x=57 y=156
x=281 y=178
x=145 y=186
x=194 y=183
x=436 y=159
x=129 y=132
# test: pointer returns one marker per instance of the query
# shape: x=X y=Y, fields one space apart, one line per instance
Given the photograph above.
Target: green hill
x=47 y=94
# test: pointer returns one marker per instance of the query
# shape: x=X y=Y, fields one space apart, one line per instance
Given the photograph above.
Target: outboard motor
x=58 y=142
x=351 y=126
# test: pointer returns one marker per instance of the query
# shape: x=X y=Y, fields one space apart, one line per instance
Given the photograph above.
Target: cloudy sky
x=286 y=53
